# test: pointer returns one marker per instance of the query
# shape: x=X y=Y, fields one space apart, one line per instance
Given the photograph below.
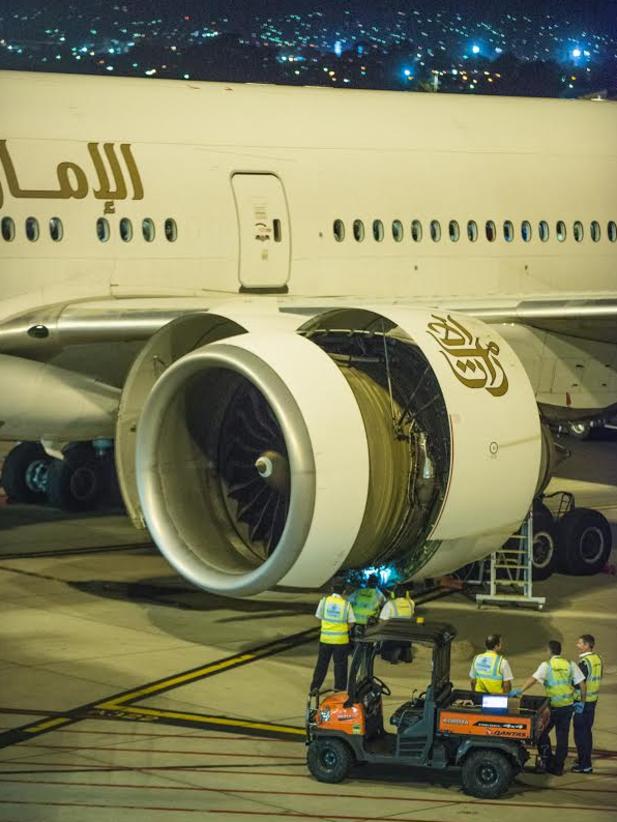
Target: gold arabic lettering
x=474 y=365
x=73 y=181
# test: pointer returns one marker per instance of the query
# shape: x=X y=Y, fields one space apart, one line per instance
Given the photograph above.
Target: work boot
x=577 y=768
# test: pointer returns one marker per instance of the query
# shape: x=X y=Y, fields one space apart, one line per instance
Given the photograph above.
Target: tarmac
x=127 y=694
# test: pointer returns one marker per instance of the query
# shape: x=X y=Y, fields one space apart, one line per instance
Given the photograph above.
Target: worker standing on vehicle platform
x=490 y=672
x=336 y=615
x=401 y=607
x=366 y=603
x=590 y=664
x=559 y=678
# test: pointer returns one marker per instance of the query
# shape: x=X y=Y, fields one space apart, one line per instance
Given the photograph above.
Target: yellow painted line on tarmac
x=213 y=720
x=50 y=723
x=175 y=681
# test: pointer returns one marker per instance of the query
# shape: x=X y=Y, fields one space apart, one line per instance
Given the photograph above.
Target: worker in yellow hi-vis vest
x=590 y=664
x=401 y=607
x=490 y=672
x=336 y=615
x=559 y=677
x=366 y=603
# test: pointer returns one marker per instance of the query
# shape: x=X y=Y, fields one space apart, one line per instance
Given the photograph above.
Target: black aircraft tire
x=76 y=482
x=17 y=463
x=585 y=541
x=486 y=774
x=545 y=543
x=329 y=760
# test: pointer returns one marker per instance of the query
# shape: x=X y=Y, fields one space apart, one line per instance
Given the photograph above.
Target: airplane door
x=264 y=230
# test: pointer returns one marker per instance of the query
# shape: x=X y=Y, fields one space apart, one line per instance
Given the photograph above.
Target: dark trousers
x=583 y=738
x=340 y=654
x=560 y=721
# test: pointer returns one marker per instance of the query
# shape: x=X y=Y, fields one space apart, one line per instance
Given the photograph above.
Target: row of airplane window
x=103 y=229
x=491 y=231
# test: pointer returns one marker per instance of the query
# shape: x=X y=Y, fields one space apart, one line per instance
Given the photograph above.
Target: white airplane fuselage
x=126 y=204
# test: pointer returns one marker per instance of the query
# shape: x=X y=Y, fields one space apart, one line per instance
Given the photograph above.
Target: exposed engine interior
x=267 y=459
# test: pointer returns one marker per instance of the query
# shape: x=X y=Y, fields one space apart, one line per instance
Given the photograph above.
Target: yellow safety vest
x=366 y=602
x=486 y=669
x=594 y=662
x=403 y=608
x=558 y=683
x=334 y=625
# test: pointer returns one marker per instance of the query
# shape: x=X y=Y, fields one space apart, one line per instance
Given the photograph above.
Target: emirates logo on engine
x=473 y=364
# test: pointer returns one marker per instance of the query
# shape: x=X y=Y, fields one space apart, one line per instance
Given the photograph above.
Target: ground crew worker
x=490 y=672
x=401 y=607
x=366 y=603
x=336 y=615
x=559 y=678
x=590 y=664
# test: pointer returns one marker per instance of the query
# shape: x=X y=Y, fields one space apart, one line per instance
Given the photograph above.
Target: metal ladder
x=511 y=568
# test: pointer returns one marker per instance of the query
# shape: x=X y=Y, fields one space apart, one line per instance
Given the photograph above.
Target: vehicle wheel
x=585 y=541
x=545 y=541
x=329 y=760
x=24 y=473
x=579 y=430
x=76 y=482
x=486 y=774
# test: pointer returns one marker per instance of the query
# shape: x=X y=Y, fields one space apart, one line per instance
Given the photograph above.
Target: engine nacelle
x=364 y=437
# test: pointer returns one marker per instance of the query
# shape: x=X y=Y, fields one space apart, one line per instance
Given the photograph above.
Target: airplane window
x=32 y=229
x=416 y=231
x=560 y=230
x=454 y=231
x=338 y=229
x=8 y=229
x=56 y=230
x=171 y=230
x=611 y=230
x=147 y=229
x=472 y=231
x=358 y=230
x=126 y=229
x=578 y=231
x=526 y=230
x=102 y=229
x=491 y=232
x=508 y=231
x=378 y=230
x=435 y=231
x=596 y=232
x=397 y=231
x=544 y=231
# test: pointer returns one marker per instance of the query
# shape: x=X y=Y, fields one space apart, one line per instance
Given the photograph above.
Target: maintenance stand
x=440 y=728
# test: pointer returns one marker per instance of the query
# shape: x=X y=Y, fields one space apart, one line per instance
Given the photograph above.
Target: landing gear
x=585 y=541
x=76 y=483
x=24 y=474
x=83 y=480
x=544 y=547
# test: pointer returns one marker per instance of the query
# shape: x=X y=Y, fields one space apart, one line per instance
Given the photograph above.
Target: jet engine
x=283 y=450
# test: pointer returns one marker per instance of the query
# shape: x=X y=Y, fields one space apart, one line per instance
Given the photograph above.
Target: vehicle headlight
x=324 y=715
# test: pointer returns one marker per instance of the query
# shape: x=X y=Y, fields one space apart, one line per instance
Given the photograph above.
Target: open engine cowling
x=363 y=437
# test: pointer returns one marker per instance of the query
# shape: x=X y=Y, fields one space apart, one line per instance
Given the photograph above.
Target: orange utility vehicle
x=443 y=727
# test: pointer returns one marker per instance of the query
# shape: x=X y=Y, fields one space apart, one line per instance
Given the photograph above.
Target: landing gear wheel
x=24 y=473
x=329 y=760
x=545 y=540
x=486 y=774
x=579 y=430
x=76 y=482
x=585 y=541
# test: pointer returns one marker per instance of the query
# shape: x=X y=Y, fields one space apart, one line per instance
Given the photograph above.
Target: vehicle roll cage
x=438 y=636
